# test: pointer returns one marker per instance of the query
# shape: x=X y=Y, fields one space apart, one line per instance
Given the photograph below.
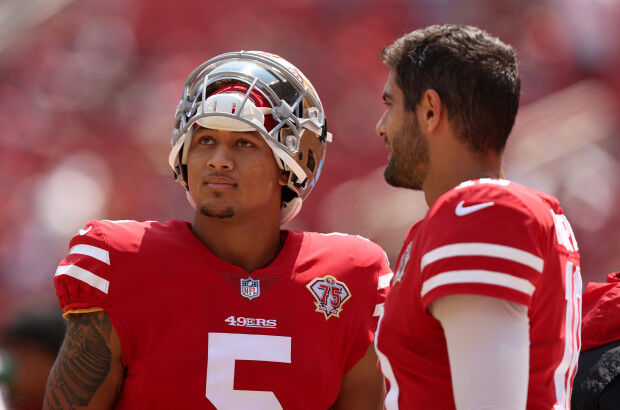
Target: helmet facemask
x=278 y=102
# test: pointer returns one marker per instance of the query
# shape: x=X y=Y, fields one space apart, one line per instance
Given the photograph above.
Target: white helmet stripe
x=172 y=158
x=287 y=159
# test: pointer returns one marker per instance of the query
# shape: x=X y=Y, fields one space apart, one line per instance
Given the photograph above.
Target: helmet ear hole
x=287 y=194
x=311 y=161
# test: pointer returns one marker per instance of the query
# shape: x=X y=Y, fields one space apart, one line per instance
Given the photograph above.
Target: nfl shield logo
x=250 y=288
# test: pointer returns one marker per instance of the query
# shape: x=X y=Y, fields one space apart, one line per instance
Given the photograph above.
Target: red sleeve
x=601 y=313
x=384 y=279
x=377 y=278
x=82 y=279
x=482 y=241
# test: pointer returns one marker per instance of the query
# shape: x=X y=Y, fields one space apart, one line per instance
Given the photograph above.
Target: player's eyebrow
x=251 y=135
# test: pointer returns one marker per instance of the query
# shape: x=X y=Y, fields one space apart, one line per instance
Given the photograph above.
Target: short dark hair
x=474 y=73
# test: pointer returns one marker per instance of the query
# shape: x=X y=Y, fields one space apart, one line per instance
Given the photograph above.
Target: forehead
x=223 y=133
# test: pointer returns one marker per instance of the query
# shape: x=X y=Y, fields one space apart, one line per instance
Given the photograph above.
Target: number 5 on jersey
x=224 y=350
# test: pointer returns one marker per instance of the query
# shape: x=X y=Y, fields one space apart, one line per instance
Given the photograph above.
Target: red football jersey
x=198 y=332
x=494 y=238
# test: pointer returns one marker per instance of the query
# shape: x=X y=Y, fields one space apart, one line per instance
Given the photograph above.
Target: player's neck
x=251 y=243
x=450 y=167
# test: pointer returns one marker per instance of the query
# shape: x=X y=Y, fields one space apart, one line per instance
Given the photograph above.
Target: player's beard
x=217 y=212
x=409 y=157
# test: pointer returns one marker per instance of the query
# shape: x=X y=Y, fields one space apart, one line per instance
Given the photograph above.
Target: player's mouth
x=220 y=182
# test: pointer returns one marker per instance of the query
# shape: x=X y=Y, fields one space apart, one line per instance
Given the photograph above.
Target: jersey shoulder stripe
x=85 y=276
x=93 y=251
x=483 y=249
x=478 y=276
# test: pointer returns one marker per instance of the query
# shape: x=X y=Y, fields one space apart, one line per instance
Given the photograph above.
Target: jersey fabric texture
x=493 y=238
x=601 y=313
x=198 y=332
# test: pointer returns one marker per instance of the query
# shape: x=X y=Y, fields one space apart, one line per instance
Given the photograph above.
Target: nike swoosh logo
x=85 y=231
x=462 y=210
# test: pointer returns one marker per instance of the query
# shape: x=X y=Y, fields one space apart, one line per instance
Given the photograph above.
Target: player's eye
x=245 y=143
x=206 y=140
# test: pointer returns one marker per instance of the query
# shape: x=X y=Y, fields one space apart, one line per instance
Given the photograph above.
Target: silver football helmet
x=264 y=93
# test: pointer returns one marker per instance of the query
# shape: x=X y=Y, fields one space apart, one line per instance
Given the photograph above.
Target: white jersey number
x=224 y=350
x=565 y=372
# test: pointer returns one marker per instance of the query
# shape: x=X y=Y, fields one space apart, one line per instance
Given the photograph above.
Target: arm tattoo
x=83 y=363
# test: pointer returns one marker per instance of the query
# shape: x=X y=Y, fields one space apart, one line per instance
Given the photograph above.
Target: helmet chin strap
x=290 y=210
x=191 y=200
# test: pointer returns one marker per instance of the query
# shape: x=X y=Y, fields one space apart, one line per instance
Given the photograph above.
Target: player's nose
x=221 y=160
x=380 y=127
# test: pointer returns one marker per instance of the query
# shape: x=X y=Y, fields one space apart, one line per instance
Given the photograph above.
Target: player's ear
x=432 y=110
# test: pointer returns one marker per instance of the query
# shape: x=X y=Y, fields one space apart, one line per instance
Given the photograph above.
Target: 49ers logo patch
x=330 y=295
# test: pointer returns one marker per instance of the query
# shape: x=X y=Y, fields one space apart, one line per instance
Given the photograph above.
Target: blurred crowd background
x=88 y=91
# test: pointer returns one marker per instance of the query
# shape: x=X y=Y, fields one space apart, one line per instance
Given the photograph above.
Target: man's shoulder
x=356 y=250
x=108 y=256
x=126 y=235
x=338 y=241
x=470 y=199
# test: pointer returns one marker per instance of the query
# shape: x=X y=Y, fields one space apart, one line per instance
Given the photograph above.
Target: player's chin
x=391 y=174
x=219 y=211
x=401 y=179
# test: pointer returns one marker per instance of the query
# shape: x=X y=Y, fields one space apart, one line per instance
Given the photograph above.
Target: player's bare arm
x=363 y=386
x=88 y=373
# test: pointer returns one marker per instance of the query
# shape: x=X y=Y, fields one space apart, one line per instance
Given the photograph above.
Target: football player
x=484 y=308
x=228 y=311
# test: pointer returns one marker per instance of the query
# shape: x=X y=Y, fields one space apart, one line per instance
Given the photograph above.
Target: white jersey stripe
x=384 y=280
x=378 y=310
x=93 y=251
x=83 y=275
x=478 y=276
x=483 y=249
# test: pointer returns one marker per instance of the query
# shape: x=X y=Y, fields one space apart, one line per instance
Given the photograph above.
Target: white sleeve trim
x=83 y=275
x=92 y=251
x=378 y=310
x=483 y=249
x=384 y=280
x=478 y=276
x=488 y=348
